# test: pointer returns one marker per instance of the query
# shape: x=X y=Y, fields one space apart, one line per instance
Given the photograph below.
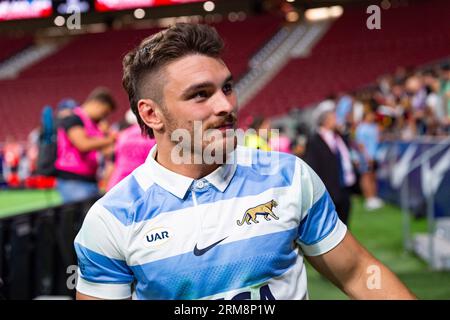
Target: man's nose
x=224 y=104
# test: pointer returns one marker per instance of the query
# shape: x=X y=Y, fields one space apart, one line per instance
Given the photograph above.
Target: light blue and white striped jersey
x=239 y=233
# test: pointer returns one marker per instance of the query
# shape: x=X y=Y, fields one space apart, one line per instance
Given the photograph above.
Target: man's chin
x=218 y=150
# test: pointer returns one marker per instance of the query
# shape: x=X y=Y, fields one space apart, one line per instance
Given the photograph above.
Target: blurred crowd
x=407 y=104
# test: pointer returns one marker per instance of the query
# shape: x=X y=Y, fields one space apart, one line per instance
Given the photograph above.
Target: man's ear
x=150 y=113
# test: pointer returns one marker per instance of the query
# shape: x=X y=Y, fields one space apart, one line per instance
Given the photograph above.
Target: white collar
x=178 y=184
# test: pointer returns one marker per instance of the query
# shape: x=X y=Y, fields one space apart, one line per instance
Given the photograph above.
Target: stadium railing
x=416 y=176
x=37 y=256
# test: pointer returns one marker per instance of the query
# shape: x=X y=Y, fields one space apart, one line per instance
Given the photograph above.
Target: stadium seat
x=350 y=56
x=12 y=46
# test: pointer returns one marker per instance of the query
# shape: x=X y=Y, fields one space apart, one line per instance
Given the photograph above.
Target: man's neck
x=86 y=107
x=195 y=171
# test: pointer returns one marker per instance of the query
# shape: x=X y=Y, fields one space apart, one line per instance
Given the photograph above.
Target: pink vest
x=281 y=144
x=131 y=151
x=69 y=158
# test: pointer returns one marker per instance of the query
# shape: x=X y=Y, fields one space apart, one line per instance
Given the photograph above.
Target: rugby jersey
x=240 y=232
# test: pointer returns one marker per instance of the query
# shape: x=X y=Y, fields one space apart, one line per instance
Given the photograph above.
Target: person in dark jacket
x=328 y=155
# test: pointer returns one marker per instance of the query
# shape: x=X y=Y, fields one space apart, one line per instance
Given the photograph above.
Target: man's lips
x=225 y=126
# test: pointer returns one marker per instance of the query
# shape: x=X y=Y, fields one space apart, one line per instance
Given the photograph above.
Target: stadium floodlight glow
x=167 y=22
x=59 y=21
x=386 y=4
x=242 y=15
x=292 y=16
x=324 y=13
x=317 y=14
x=233 y=16
x=336 y=11
x=209 y=6
x=139 y=13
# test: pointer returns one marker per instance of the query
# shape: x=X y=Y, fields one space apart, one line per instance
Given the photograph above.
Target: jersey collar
x=178 y=184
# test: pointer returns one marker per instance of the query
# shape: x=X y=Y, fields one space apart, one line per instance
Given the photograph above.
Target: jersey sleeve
x=70 y=121
x=320 y=228
x=102 y=268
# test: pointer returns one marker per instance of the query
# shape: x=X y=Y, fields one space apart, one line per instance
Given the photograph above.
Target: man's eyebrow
x=191 y=89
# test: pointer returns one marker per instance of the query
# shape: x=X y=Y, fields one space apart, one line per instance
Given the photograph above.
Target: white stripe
x=292 y=284
x=194 y=198
x=112 y=291
x=311 y=187
x=329 y=242
x=102 y=233
x=143 y=177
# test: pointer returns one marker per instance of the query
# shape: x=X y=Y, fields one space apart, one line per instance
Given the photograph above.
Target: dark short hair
x=158 y=50
x=257 y=122
x=102 y=95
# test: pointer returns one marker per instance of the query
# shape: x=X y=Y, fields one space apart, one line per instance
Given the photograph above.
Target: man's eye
x=228 y=88
x=201 y=94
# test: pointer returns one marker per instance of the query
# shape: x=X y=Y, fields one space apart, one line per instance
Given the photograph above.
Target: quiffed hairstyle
x=157 y=51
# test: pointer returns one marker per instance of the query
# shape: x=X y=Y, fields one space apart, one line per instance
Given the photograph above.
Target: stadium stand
x=11 y=46
x=340 y=62
x=96 y=59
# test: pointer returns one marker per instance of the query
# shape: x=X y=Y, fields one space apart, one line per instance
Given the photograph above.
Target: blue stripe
x=120 y=200
x=267 y=161
x=97 y=268
x=319 y=221
x=225 y=267
x=157 y=200
x=248 y=181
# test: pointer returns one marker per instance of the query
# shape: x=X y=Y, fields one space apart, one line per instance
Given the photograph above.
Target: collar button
x=200 y=184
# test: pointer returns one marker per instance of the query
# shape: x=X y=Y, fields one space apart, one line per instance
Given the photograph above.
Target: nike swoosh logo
x=199 y=252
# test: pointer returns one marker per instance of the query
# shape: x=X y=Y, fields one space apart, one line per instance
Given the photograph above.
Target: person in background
x=280 y=142
x=79 y=139
x=258 y=139
x=65 y=107
x=2 y=178
x=344 y=107
x=367 y=138
x=131 y=150
x=13 y=151
x=328 y=155
x=417 y=94
x=445 y=93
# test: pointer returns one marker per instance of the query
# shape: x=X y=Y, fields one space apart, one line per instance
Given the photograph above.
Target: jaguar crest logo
x=264 y=209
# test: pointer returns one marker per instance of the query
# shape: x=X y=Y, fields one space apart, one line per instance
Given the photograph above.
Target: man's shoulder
x=265 y=162
x=120 y=201
x=69 y=121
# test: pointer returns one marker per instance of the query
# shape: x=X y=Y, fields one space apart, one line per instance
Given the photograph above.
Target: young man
x=200 y=230
x=79 y=139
